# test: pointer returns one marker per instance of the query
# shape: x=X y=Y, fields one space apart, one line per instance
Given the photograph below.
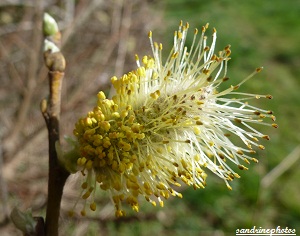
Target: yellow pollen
x=89 y=164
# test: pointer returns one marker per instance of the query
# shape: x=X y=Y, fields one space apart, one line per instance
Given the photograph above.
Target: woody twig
x=50 y=108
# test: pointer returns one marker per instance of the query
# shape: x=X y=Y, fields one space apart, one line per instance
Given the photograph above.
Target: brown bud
x=55 y=61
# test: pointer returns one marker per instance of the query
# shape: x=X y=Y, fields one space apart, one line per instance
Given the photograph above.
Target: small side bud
x=23 y=221
x=50 y=26
x=55 y=61
x=44 y=105
x=68 y=159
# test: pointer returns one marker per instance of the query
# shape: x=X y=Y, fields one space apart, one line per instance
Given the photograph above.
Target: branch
x=58 y=175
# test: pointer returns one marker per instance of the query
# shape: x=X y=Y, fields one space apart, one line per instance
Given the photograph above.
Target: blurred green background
x=261 y=33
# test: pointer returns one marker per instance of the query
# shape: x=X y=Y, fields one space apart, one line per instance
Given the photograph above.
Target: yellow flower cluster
x=166 y=125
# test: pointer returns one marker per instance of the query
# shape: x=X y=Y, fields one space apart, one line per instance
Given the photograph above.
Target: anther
x=246 y=160
x=83 y=212
x=228 y=52
x=93 y=206
x=240 y=152
x=269 y=96
x=198 y=122
x=259 y=69
x=209 y=78
x=242 y=167
x=273 y=118
x=266 y=137
x=187 y=141
x=84 y=185
x=235 y=87
x=238 y=120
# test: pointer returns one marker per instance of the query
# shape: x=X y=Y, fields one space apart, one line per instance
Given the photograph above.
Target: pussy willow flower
x=168 y=125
